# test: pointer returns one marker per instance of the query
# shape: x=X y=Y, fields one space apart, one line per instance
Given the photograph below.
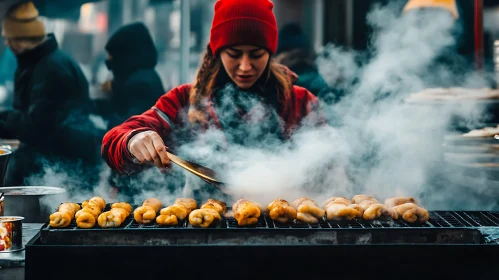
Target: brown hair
x=208 y=76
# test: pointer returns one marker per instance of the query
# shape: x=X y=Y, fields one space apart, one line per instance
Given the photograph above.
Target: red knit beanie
x=243 y=22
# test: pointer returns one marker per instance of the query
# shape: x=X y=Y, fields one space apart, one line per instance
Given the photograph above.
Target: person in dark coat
x=51 y=106
x=295 y=51
x=136 y=85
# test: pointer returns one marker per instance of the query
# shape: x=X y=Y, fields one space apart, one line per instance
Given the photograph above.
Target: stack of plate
x=475 y=152
x=455 y=94
x=461 y=100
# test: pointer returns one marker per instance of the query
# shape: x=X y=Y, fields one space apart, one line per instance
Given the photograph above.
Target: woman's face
x=244 y=64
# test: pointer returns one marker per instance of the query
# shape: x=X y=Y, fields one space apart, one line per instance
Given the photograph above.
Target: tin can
x=11 y=235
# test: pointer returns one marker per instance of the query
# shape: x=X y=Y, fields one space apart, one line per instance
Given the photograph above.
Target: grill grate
x=438 y=219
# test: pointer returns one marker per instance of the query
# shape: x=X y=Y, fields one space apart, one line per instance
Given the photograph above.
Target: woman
x=243 y=39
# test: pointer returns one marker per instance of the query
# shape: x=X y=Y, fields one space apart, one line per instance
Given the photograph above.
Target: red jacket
x=164 y=117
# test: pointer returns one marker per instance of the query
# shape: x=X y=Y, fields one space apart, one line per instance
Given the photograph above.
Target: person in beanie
x=236 y=66
x=295 y=52
x=51 y=103
x=136 y=85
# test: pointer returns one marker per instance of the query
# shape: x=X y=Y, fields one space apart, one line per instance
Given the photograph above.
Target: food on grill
x=338 y=199
x=87 y=216
x=154 y=203
x=113 y=218
x=122 y=212
x=188 y=203
x=281 y=211
x=371 y=208
x=204 y=217
x=64 y=215
x=99 y=201
x=89 y=208
x=379 y=210
x=122 y=205
x=394 y=201
x=412 y=213
x=172 y=214
x=60 y=219
x=358 y=199
x=85 y=220
x=146 y=213
x=364 y=202
x=219 y=206
x=208 y=213
x=246 y=212
x=307 y=210
x=340 y=208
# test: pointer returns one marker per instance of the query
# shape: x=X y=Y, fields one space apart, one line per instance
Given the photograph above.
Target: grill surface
x=443 y=227
x=438 y=219
x=467 y=240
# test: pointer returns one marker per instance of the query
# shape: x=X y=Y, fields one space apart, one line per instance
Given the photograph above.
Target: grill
x=443 y=227
x=468 y=239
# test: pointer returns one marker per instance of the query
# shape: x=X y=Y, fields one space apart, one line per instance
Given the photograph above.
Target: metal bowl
x=34 y=203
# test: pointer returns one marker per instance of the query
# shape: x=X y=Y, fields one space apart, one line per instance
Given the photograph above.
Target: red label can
x=11 y=234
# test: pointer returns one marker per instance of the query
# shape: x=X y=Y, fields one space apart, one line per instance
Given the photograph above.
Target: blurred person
x=434 y=30
x=8 y=65
x=295 y=51
x=243 y=39
x=50 y=107
x=441 y=19
x=135 y=87
x=444 y=5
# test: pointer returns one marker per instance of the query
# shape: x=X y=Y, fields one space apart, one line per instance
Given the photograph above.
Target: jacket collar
x=31 y=57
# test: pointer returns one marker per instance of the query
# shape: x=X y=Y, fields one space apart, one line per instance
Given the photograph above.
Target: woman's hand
x=147 y=146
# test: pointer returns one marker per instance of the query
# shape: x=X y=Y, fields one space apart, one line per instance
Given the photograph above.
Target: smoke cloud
x=376 y=142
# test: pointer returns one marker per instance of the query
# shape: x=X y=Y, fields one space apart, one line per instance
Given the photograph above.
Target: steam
x=397 y=146
x=375 y=142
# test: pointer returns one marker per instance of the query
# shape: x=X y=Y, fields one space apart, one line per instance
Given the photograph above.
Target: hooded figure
x=51 y=105
x=136 y=85
x=295 y=52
